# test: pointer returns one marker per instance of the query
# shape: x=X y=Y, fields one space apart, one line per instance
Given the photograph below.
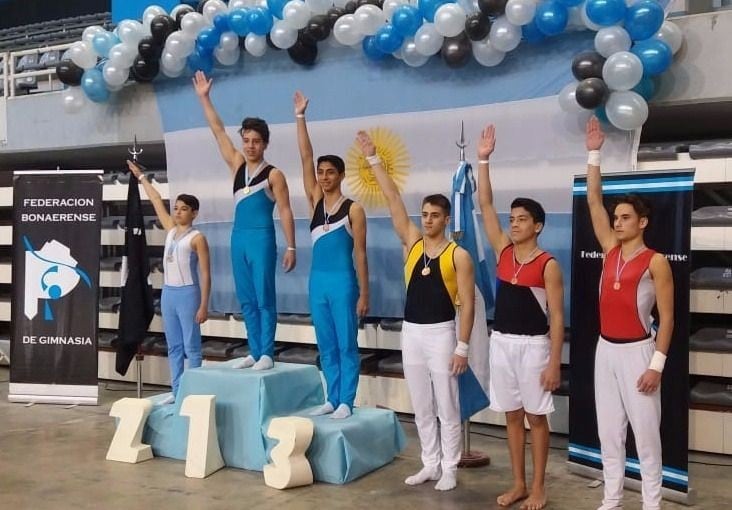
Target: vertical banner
x=56 y=238
x=669 y=195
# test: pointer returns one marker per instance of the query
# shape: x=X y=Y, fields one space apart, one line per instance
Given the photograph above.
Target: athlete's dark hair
x=334 y=160
x=534 y=208
x=255 y=124
x=640 y=206
x=189 y=200
x=439 y=200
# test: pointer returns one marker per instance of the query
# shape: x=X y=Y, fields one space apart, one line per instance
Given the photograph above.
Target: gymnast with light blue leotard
x=258 y=187
x=339 y=292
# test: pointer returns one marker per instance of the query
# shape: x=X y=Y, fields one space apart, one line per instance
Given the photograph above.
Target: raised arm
x=551 y=376
x=406 y=230
x=466 y=295
x=153 y=195
x=358 y=225
x=202 y=86
x=282 y=198
x=600 y=220
x=496 y=236
x=200 y=244
x=310 y=183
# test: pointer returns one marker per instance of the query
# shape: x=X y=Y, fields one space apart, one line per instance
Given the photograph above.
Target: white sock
x=425 y=475
x=170 y=399
x=326 y=408
x=264 y=363
x=244 y=362
x=447 y=482
x=610 y=506
x=342 y=412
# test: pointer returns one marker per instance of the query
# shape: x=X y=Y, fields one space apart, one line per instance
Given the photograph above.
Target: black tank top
x=240 y=179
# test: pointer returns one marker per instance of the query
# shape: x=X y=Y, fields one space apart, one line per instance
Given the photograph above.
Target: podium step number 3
x=203 y=456
x=127 y=444
x=289 y=467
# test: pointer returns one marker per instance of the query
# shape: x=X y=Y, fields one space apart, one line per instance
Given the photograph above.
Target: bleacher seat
x=712 y=393
x=712 y=278
x=107 y=339
x=294 y=318
x=110 y=263
x=712 y=216
x=391 y=364
x=711 y=340
x=27 y=63
x=49 y=59
x=391 y=324
x=110 y=304
x=711 y=149
x=301 y=355
x=219 y=348
x=661 y=151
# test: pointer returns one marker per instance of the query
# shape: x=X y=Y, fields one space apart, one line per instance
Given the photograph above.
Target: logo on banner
x=394 y=157
x=50 y=274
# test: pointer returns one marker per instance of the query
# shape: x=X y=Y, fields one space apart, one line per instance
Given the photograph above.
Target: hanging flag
x=136 y=309
x=467 y=234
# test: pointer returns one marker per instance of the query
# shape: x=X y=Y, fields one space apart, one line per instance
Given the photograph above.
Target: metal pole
x=139 y=357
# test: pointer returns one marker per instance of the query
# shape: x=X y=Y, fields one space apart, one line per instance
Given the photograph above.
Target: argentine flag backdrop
x=414 y=116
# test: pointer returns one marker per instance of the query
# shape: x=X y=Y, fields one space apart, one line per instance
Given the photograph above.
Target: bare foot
x=535 y=501
x=517 y=493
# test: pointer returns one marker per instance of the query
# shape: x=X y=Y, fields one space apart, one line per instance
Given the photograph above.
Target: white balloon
x=520 y=12
x=179 y=44
x=390 y=6
x=89 y=33
x=567 y=100
x=227 y=57
x=282 y=35
x=256 y=45
x=83 y=55
x=192 y=23
x=212 y=8
x=469 y=6
x=130 y=31
x=586 y=20
x=229 y=41
x=296 y=14
x=611 y=40
x=622 y=71
x=115 y=75
x=575 y=21
x=115 y=88
x=626 y=110
x=427 y=40
x=123 y=54
x=369 y=19
x=319 y=6
x=411 y=56
x=486 y=54
x=171 y=62
x=345 y=30
x=332 y=41
x=504 y=36
x=73 y=99
x=172 y=73
x=150 y=12
x=671 y=34
x=450 y=20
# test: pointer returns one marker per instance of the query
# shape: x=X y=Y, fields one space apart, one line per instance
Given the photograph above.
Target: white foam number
x=289 y=467
x=127 y=444
x=203 y=456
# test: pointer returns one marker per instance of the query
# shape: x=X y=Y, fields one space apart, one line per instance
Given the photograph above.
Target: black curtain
x=14 y=13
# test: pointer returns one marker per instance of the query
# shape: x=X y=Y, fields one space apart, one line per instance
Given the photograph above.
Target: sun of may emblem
x=395 y=157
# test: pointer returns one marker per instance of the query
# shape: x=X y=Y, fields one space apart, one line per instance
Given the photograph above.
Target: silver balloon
x=411 y=56
x=504 y=36
x=130 y=31
x=229 y=41
x=611 y=40
x=256 y=45
x=369 y=19
x=213 y=8
x=192 y=23
x=89 y=33
x=83 y=55
x=115 y=75
x=450 y=20
x=237 y=4
x=319 y=6
x=622 y=71
x=427 y=40
x=73 y=99
x=586 y=20
x=227 y=57
x=179 y=44
x=671 y=34
x=567 y=100
x=172 y=63
x=626 y=110
x=123 y=54
x=520 y=12
x=282 y=35
x=391 y=5
x=346 y=32
x=296 y=14
x=486 y=54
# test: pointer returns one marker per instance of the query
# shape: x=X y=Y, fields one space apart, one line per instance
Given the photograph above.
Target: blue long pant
x=333 y=297
x=183 y=335
x=253 y=259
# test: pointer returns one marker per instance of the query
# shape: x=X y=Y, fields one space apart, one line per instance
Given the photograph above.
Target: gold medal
x=426 y=271
x=514 y=280
x=326 y=227
x=616 y=285
x=246 y=190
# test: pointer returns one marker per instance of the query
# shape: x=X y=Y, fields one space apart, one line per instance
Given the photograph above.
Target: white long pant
x=426 y=353
x=617 y=370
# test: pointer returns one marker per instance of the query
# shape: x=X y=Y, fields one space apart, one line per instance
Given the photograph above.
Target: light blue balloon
x=208 y=38
x=406 y=20
x=276 y=6
x=605 y=12
x=531 y=34
x=260 y=21
x=646 y=88
x=551 y=17
x=387 y=39
x=428 y=8
x=654 y=54
x=198 y=61
x=570 y=3
x=103 y=42
x=92 y=83
x=239 y=21
x=370 y=49
x=643 y=19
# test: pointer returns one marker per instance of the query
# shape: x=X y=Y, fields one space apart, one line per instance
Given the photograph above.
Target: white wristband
x=300 y=116
x=461 y=349
x=657 y=362
x=483 y=162
x=291 y=248
x=373 y=160
x=593 y=158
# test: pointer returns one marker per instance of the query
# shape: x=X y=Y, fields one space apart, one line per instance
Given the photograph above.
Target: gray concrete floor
x=53 y=457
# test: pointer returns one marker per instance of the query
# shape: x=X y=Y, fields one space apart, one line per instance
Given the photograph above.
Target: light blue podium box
x=247 y=400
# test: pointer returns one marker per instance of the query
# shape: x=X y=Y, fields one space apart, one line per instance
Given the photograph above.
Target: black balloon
x=587 y=64
x=350 y=7
x=69 y=73
x=149 y=49
x=492 y=7
x=161 y=27
x=477 y=26
x=182 y=12
x=318 y=28
x=144 y=70
x=303 y=53
x=333 y=14
x=377 y=3
x=456 y=50
x=591 y=93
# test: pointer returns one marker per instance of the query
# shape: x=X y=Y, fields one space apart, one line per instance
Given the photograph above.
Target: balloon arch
x=633 y=43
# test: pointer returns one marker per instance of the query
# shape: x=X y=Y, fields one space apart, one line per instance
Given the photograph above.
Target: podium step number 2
x=127 y=444
x=289 y=467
